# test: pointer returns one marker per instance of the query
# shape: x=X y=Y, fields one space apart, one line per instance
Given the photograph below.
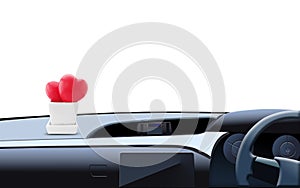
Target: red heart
x=52 y=91
x=72 y=89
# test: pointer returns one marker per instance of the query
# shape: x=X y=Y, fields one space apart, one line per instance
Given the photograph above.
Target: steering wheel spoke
x=289 y=172
x=268 y=162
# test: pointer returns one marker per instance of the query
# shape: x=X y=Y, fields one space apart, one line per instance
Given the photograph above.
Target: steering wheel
x=289 y=169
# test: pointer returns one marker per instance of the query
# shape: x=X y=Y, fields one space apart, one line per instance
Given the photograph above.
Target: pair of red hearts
x=68 y=89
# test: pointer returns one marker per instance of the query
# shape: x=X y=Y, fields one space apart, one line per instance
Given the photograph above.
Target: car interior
x=257 y=148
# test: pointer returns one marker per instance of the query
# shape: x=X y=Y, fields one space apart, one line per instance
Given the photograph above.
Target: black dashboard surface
x=235 y=122
x=77 y=162
x=243 y=121
x=33 y=128
x=165 y=127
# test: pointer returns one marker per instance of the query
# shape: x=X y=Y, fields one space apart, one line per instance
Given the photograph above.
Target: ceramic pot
x=62 y=118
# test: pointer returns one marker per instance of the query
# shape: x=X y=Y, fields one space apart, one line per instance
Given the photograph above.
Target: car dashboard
x=157 y=149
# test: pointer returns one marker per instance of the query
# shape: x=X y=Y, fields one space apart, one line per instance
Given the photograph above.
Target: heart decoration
x=68 y=89
x=52 y=91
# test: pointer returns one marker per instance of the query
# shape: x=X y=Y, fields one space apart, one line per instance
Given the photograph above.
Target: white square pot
x=63 y=113
x=62 y=118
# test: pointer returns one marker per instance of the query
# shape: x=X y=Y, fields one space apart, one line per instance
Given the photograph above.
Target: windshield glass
x=179 y=63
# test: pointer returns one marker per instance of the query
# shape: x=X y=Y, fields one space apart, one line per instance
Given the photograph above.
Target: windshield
x=133 y=66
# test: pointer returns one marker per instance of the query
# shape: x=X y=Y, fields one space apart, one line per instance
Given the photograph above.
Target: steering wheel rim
x=245 y=157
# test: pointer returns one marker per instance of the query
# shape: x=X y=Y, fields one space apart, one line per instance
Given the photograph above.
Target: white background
x=255 y=43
